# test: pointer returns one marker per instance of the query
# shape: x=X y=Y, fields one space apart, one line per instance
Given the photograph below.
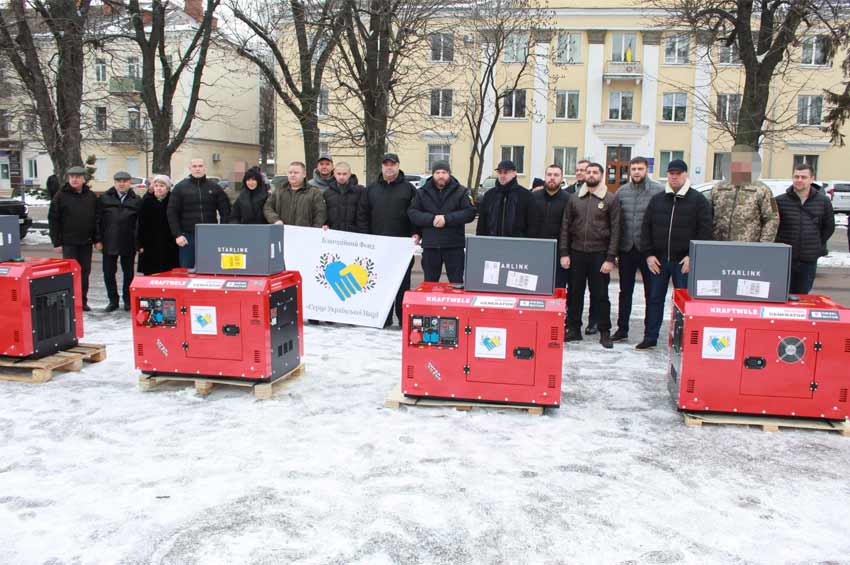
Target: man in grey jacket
x=634 y=198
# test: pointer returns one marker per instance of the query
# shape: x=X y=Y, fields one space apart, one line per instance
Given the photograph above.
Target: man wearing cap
x=441 y=209
x=389 y=198
x=118 y=212
x=72 y=219
x=323 y=174
x=672 y=219
x=506 y=209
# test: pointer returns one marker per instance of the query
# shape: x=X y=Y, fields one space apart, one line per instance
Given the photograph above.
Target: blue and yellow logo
x=490 y=343
x=346 y=280
x=719 y=343
x=203 y=320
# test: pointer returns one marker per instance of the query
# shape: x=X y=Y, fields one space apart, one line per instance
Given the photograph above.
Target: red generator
x=41 y=312
x=787 y=359
x=241 y=327
x=505 y=348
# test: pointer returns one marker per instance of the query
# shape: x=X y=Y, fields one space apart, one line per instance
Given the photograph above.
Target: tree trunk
x=162 y=152
x=753 y=110
x=310 y=132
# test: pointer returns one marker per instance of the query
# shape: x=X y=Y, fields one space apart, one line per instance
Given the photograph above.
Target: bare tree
x=838 y=100
x=294 y=69
x=763 y=34
x=268 y=99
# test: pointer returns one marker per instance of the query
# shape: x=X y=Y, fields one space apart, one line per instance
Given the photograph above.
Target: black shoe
x=591 y=329
x=313 y=322
x=111 y=307
x=572 y=335
x=646 y=344
x=86 y=308
x=605 y=339
x=126 y=306
x=619 y=335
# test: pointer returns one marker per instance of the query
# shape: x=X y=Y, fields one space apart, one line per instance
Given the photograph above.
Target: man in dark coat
x=157 y=249
x=118 y=214
x=389 y=198
x=195 y=200
x=806 y=222
x=346 y=202
x=72 y=219
x=441 y=209
x=549 y=206
x=248 y=207
x=581 y=171
x=506 y=209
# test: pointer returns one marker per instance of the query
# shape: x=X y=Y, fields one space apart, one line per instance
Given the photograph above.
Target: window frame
x=807 y=99
x=675 y=105
x=621 y=95
x=816 y=43
x=573 y=58
x=32 y=168
x=622 y=35
x=133 y=69
x=511 y=155
x=100 y=69
x=516 y=48
x=567 y=94
x=726 y=107
x=731 y=50
x=672 y=155
x=443 y=50
x=105 y=118
x=562 y=158
x=445 y=101
x=511 y=101
x=323 y=103
x=677 y=39
x=433 y=156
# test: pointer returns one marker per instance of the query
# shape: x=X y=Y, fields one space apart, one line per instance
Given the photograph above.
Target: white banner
x=350 y=278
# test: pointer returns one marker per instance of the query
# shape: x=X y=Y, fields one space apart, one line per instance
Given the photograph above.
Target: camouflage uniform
x=744 y=212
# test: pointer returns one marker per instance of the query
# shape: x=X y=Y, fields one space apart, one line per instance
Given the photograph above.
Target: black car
x=14 y=207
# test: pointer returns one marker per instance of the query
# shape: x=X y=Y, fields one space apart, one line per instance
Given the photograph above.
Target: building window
x=100 y=118
x=514 y=153
x=808 y=159
x=624 y=47
x=566 y=104
x=569 y=48
x=566 y=157
x=666 y=157
x=442 y=47
x=727 y=108
x=32 y=169
x=438 y=152
x=324 y=148
x=29 y=124
x=101 y=172
x=441 y=103
x=676 y=49
x=620 y=105
x=675 y=107
x=815 y=50
x=728 y=54
x=809 y=110
x=4 y=171
x=4 y=123
x=513 y=105
x=100 y=70
x=717 y=172
x=133 y=67
x=516 y=48
x=323 y=102
x=134 y=117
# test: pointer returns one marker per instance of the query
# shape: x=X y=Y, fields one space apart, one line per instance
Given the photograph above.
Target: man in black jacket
x=118 y=214
x=195 y=200
x=549 y=206
x=346 y=201
x=389 y=198
x=672 y=219
x=72 y=219
x=581 y=171
x=441 y=209
x=506 y=209
x=806 y=222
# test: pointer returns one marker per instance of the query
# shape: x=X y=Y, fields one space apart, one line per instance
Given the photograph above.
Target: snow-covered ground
x=835 y=259
x=36 y=236
x=841 y=220
x=94 y=471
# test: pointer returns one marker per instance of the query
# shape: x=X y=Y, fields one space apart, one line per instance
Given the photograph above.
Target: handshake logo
x=346 y=280
x=490 y=343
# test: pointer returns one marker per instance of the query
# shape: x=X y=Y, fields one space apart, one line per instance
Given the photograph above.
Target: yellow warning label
x=232 y=260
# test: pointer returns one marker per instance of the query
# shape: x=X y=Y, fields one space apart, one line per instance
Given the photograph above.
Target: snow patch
x=839 y=259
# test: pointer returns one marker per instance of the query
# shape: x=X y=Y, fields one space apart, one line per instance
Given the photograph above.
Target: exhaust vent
x=695 y=337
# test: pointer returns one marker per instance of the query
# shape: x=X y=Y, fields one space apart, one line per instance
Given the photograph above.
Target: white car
x=416 y=179
x=776 y=186
x=839 y=192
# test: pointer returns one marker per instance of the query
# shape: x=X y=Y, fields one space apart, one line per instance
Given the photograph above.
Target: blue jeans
x=658 y=292
x=630 y=263
x=186 y=254
x=803 y=276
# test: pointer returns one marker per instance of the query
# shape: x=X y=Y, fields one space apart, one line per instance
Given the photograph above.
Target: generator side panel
x=433 y=365
x=157 y=331
x=53 y=307
x=284 y=331
x=15 y=319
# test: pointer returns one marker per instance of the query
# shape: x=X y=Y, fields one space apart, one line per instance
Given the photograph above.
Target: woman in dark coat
x=157 y=248
x=248 y=207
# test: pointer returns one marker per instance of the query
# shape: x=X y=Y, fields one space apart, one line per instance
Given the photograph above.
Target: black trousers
x=110 y=269
x=630 y=263
x=433 y=259
x=399 y=297
x=82 y=254
x=584 y=272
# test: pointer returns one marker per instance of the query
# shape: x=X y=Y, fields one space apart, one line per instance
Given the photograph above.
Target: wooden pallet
x=28 y=370
x=395 y=399
x=767 y=423
x=205 y=385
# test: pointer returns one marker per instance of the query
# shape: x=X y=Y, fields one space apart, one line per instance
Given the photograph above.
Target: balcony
x=128 y=136
x=621 y=70
x=125 y=85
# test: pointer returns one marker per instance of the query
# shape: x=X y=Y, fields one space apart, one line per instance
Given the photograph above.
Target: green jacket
x=744 y=212
x=304 y=207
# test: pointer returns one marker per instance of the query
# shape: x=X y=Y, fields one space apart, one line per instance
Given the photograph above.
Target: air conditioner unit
x=216 y=157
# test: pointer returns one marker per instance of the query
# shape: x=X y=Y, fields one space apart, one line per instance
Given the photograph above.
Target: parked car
x=839 y=193
x=14 y=207
x=417 y=179
x=139 y=185
x=776 y=186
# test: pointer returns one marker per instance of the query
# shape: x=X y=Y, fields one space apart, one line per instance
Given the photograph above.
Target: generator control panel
x=434 y=330
x=157 y=312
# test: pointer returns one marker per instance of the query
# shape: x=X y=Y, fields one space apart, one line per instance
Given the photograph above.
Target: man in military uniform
x=744 y=209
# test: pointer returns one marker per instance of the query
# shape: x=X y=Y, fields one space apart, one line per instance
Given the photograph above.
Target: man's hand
x=439 y=221
x=98 y=246
x=607 y=267
x=686 y=265
x=653 y=264
x=279 y=222
x=565 y=262
x=416 y=239
x=182 y=241
x=141 y=250
x=57 y=249
x=325 y=227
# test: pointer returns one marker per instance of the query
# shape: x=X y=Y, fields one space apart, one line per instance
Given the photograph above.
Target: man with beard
x=590 y=239
x=324 y=173
x=441 y=209
x=506 y=209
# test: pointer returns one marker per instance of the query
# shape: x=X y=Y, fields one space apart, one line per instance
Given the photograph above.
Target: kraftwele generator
x=789 y=359
x=482 y=347
x=241 y=327
x=41 y=309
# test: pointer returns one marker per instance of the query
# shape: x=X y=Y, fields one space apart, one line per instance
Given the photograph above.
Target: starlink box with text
x=510 y=264
x=731 y=270
x=239 y=249
x=10 y=238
